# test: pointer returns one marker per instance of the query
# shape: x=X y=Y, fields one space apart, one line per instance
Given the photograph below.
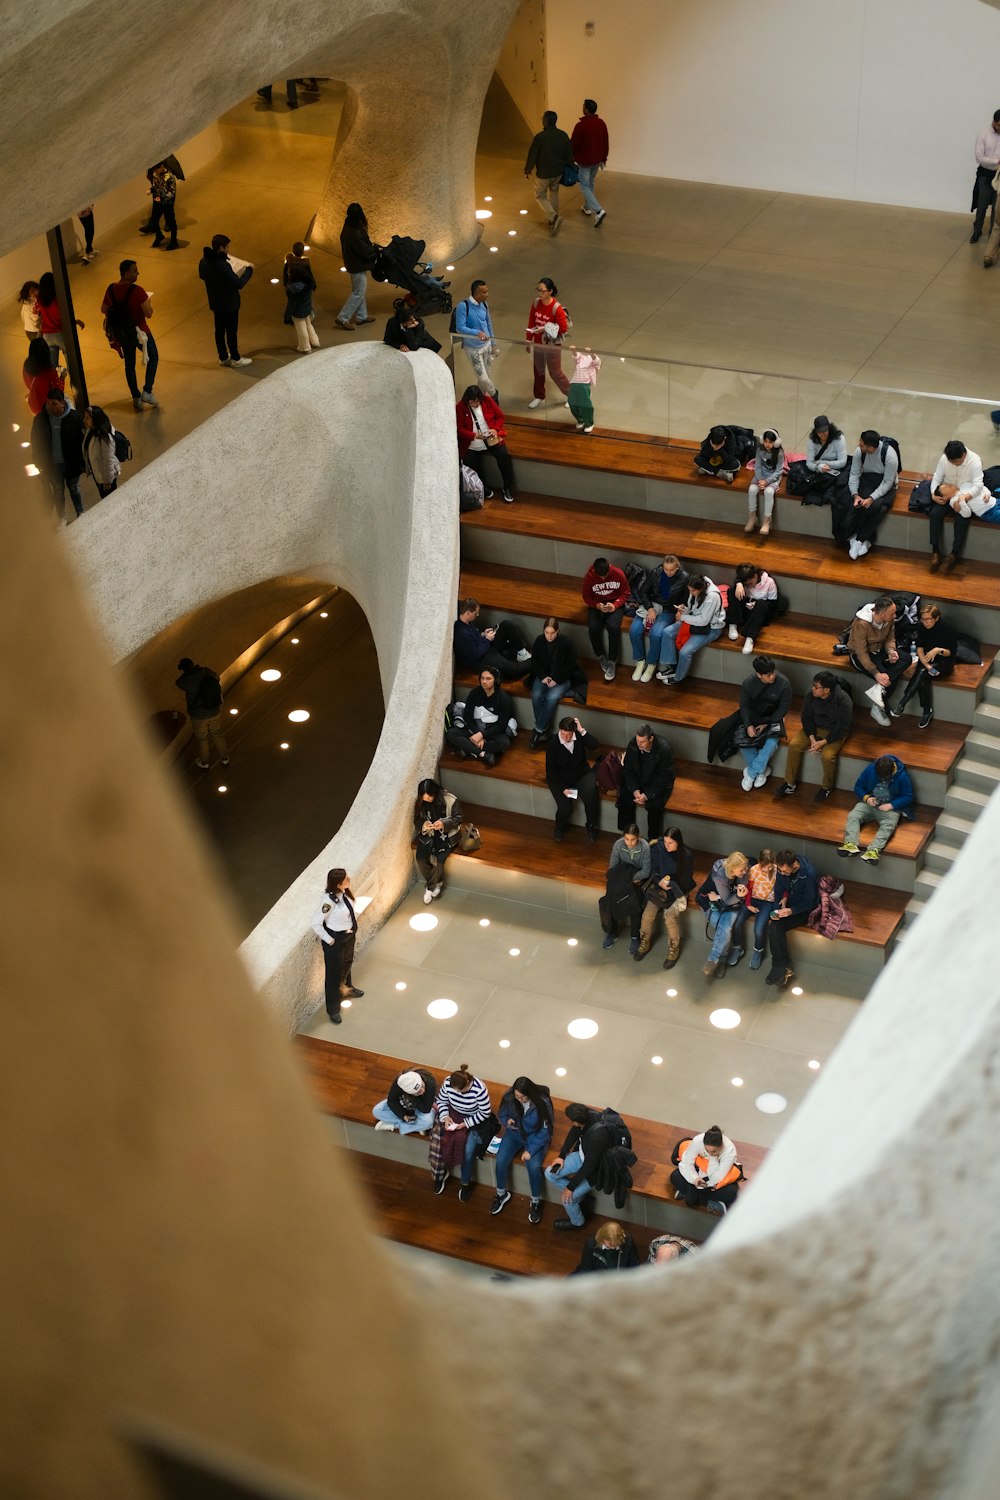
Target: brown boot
x=673 y=954
x=642 y=950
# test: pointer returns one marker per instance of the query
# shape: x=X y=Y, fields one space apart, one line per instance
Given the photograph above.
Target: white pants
x=306 y=335
x=768 y=498
x=480 y=360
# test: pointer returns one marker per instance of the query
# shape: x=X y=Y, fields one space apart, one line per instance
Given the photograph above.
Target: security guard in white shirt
x=336 y=926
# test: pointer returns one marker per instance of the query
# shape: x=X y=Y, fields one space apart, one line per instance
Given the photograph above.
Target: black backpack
x=453 y=320
x=123 y=448
x=890 y=442
x=620 y=1133
x=118 y=322
x=746 y=442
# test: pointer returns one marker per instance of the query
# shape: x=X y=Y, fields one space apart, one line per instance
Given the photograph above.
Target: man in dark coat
x=406 y=331
x=649 y=775
x=570 y=777
x=223 y=280
x=203 y=692
x=57 y=450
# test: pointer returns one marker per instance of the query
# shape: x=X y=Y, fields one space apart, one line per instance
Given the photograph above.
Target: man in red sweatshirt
x=605 y=593
x=590 y=152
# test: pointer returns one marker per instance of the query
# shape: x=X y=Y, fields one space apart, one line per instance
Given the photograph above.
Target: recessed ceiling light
x=295 y=640
x=442 y=1010
x=523 y=210
x=484 y=921
x=656 y=1061
x=796 y=989
x=284 y=745
x=274 y=281
x=484 y=213
x=270 y=674
x=488 y=198
x=424 y=921
x=299 y=715
x=324 y=614
x=813 y=1063
x=560 y=1072
x=771 y=1104
x=505 y=1043
x=234 y=712
x=572 y=942
x=725 y=1019
x=583 y=1029
x=672 y=994
x=514 y=952
x=223 y=789
x=401 y=984
x=737 y=1083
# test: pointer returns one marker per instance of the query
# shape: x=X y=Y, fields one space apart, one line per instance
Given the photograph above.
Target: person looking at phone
x=707 y=1172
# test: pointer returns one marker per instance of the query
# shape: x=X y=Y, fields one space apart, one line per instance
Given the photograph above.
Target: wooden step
x=517 y=841
x=795 y=637
x=720 y=547
x=698 y=705
x=714 y=792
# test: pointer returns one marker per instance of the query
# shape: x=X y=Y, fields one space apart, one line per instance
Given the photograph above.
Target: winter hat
x=411 y=1082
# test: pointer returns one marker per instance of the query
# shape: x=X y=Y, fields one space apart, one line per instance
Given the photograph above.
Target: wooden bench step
x=795 y=637
x=698 y=705
x=517 y=841
x=713 y=792
x=720 y=547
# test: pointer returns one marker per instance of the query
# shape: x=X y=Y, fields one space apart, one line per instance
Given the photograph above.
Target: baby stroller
x=399 y=263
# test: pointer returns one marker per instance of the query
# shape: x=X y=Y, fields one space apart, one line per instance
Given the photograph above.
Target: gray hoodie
x=768 y=467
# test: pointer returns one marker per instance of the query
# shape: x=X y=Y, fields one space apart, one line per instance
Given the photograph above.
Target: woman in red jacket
x=39 y=375
x=480 y=431
x=547 y=325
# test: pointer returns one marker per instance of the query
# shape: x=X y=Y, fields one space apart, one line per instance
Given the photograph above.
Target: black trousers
x=502 y=654
x=778 y=932
x=226 y=335
x=923 y=685
x=587 y=796
x=750 y=622
x=597 y=624
x=495 y=742
x=338 y=957
x=476 y=459
x=431 y=864
x=166 y=211
x=985 y=196
x=628 y=813
x=893 y=669
x=939 y=514
x=860 y=521
x=87 y=225
x=693 y=1196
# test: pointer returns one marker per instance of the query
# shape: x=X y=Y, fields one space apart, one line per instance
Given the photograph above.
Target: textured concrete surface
x=358 y=490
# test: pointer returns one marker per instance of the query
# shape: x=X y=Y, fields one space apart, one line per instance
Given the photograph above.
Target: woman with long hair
x=466 y=1123
x=359 y=256
x=670 y=884
x=723 y=898
x=99 y=454
x=481 y=432
x=437 y=817
x=547 y=326
x=39 y=375
x=527 y=1119
x=50 y=318
x=300 y=283
x=551 y=675
x=27 y=300
x=336 y=925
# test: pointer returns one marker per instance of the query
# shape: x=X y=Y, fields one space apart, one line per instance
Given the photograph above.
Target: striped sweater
x=464 y=1109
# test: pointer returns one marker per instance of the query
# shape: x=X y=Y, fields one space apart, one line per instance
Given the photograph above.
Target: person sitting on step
x=761 y=880
x=481 y=433
x=501 y=646
x=936 y=648
x=437 y=819
x=527 y=1119
x=667 y=1248
x=703 y=614
x=648 y=780
x=488 y=723
x=827 y=710
x=797 y=894
x=753 y=603
x=668 y=589
x=885 y=794
x=554 y=673
x=610 y=1249
x=957 y=489
x=768 y=467
x=723 y=898
x=871 y=646
x=569 y=776
x=628 y=870
x=467 y=1122
x=409 y=1105
x=605 y=592
x=672 y=870
x=857 y=514
x=717 y=457
x=765 y=698
x=707 y=1172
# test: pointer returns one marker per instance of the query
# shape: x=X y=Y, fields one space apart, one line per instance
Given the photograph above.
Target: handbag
x=744 y=741
x=570 y=175
x=659 y=897
x=492 y=441
x=470 y=840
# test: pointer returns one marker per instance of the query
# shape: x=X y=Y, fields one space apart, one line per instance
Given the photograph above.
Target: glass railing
x=646 y=397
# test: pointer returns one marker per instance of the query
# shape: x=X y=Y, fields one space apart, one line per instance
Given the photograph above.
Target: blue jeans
x=573 y=1163
x=668 y=649
x=646 y=647
x=544 y=700
x=356 y=301
x=152 y=360
x=59 y=478
x=722 y=922
x=761 y=923
x=381 y=1111
x=588 y=176
x=510 y=1149
x=758 y=760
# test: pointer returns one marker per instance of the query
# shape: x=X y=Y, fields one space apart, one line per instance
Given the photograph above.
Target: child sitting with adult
x=717 y=457
x=481 y=432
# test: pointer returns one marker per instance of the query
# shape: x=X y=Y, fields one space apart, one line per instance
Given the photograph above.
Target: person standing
x=31 y=321
x=826 y=722
x=549 y=154
x=300 y=283
x=605 y=592
x=291 y=93
x=570 y=777
x=57 y=450
x=127 y=309
x=223 y=282
x=359 y=256
x=50 y=316
x=586 y=368
x=589 y=143
x=86 y=217
x=474 y=324
x=987 y=162
x=527 y=1119
x=99 y=455
x=648 y=777
x=203 y=691
x=547 y=326
x=336 y=926
x=164 y=189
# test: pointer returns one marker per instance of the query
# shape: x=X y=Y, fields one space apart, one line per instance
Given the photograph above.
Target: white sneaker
x=436 y=891
x=734 y=634
x=748 y=646
x=881 y=717
x=852 y=549
x=238 y=364
x=523 y=655
x=585 y=211
x=638 y=670
x=864 y=548
x=876 y=694
x=760 y=780
x=650 y=672
x=537 y=401
x=428 y=896
x=384 y=1125
x=746 y=781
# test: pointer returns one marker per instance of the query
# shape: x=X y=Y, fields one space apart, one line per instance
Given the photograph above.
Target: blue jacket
x=800 y=890
x=900 y=787
x=471 y=319
x=470 y=644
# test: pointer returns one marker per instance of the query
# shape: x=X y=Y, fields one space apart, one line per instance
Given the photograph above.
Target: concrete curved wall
x=340 y=467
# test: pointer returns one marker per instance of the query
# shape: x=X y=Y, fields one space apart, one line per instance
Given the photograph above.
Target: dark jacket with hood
x=603 y=1258
x=221 y=282
x=413 y=1104
x=357 y=249
x=414 y=338
x=200 y=686
x=650 y=771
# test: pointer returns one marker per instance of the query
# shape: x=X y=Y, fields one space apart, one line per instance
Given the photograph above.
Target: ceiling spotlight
x=572 y=942
x=442 y=1010
x=814 y=1064
x=295 y=640
x=656 y=1061
x=583 y=1029
x=771 y=1104
x=484 y=213
x=270 y=674
x=725 y=1019
x=737 y=1083
x=514 y=952
x=424 y=921
x=560 y=1072
x=401 y=984
x=505 y=1043
x=299 y=715
x=223 y=789
x=284 y=745
x=484 y=921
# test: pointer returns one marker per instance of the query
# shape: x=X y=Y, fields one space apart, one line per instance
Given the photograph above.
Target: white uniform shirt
x=335 y=912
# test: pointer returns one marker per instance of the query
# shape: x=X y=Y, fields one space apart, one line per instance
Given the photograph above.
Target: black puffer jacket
x=221 y=282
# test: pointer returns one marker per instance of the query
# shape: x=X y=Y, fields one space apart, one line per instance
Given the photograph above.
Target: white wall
x=878 y=100
x=521 y=65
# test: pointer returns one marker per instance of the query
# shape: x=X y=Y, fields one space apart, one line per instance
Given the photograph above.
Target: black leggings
x=476 y=458
x=693 y=1196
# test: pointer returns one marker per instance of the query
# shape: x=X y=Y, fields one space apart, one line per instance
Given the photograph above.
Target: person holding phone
x=707 y=1171
x=723 y=897
x=527 y=1119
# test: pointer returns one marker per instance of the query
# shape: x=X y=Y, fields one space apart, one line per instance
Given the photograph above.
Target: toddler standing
x=581 y=399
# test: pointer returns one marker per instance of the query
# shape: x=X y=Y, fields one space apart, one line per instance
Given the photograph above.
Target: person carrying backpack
x=473 y=322
x=127 y=308
x=857 y=513
x=203 y=691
